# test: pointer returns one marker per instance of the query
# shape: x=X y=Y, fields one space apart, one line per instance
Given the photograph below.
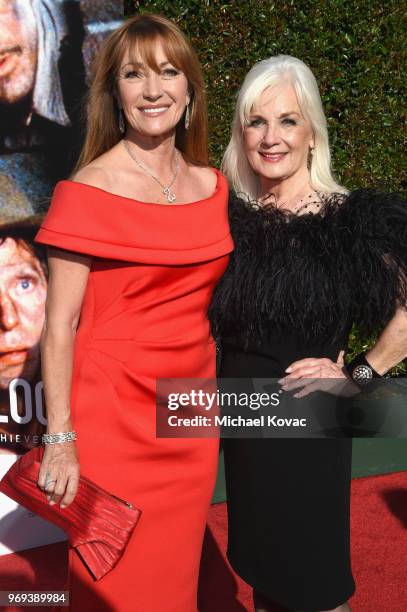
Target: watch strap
x=361 y=372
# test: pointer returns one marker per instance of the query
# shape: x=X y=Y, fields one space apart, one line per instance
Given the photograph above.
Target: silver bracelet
x=57 y=438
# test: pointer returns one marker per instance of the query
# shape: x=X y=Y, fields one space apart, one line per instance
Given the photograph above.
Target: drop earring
x=122 y=127
x=187 y=118
x=310 y=155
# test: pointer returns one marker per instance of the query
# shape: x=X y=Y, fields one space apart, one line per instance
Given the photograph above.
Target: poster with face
x=23 y=289
x=46 y=52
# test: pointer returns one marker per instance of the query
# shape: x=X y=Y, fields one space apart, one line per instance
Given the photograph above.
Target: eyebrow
x=22 y=269
x=141 y=65
x=259 y=115
x=26 y=267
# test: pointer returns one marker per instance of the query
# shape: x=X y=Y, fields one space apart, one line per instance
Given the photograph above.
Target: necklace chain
x=169 y=194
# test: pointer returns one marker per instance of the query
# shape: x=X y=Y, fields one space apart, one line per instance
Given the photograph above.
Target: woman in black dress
x=310 y=259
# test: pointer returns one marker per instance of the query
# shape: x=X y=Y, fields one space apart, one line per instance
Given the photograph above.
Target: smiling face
x=18 y=54
x=277 y=138
x=153 y=101
x=23 y=289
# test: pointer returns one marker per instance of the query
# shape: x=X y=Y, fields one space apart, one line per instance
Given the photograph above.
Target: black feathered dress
x=293 y=288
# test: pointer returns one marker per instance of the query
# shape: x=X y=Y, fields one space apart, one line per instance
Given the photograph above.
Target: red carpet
x=379 y=555
x=379 y=551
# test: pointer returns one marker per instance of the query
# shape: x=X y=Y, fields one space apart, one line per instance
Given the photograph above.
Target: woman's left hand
x=318 y=374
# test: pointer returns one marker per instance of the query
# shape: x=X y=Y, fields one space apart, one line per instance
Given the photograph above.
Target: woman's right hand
x=60 y=467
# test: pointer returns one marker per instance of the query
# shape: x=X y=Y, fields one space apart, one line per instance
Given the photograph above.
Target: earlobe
x=117 y=99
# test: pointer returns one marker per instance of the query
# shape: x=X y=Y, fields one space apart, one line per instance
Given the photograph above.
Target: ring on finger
x=48 y=481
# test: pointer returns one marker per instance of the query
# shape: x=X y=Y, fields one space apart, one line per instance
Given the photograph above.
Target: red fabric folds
x=98 y=524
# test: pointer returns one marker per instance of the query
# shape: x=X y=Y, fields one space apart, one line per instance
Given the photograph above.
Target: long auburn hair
x=141 y=34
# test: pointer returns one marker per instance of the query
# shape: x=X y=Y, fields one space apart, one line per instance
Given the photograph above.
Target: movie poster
x=46 y=51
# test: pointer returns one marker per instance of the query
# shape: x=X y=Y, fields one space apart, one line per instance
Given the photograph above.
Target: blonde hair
x=141 y=34
x=268 y=73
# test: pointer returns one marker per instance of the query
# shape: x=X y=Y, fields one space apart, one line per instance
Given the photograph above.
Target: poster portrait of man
x=35 y=106
x=23 y=290
x=46 y=47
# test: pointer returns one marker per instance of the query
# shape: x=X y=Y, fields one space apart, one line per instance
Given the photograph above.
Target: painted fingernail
x=289 y=370
x=51 y=503
x=63 y=506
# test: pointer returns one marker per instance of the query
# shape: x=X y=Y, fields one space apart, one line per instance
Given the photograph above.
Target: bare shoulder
x=101 y=172
x=94 y=175
x=205 y=177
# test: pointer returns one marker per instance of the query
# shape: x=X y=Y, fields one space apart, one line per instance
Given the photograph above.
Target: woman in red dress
x=137 y=240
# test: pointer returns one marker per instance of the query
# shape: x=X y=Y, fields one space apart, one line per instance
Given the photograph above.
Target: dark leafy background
x=356 y=50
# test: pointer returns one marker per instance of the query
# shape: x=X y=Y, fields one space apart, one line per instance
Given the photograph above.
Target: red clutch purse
x=97 y=523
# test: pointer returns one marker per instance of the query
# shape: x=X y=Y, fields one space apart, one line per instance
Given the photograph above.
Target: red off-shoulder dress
x=143 y=317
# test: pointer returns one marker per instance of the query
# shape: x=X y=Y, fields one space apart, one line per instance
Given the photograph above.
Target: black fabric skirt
x=288 y=506
x=288 y=511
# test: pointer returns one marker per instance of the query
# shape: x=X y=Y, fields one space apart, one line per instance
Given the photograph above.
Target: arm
x=68 y=276
x=391 y=347
x=376 y=234
x=389 y=350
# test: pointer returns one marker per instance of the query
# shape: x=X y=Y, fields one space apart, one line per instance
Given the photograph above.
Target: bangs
x=143 y=42
x=257 y=87
x=252 y=94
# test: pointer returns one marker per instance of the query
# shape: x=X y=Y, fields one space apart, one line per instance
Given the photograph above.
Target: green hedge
x=356 y=50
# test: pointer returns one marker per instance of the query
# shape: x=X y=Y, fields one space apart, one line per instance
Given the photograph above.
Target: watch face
x=362 y=374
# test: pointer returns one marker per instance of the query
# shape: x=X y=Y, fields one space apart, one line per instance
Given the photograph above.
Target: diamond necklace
x=170 y=195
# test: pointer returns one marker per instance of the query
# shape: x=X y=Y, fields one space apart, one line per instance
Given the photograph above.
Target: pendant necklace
x=169 y=194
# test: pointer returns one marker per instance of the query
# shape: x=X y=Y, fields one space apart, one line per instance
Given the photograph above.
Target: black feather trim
x=314 y=274
x=376 y=244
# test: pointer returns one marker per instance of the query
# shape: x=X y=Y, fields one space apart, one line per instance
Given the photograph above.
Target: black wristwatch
x=361 y=372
